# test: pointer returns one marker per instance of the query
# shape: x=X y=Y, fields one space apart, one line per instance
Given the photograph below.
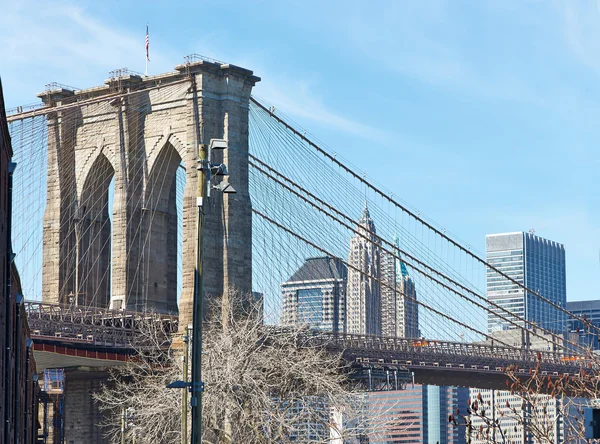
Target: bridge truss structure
x=91 y=326
x=373 y=362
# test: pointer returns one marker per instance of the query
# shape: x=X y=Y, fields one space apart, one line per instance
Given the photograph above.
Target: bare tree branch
x=262 y=385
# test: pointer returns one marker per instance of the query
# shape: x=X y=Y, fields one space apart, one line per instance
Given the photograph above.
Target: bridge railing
x=90 y=325
x=115 y=328
x=24 y=108
x=345 y=341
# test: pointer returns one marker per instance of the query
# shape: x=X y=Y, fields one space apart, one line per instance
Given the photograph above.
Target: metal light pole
x=197 y=386
x=205 y=170
x=184 y=401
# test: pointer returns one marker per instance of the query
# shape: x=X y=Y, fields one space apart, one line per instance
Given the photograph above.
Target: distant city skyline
x=374 y=295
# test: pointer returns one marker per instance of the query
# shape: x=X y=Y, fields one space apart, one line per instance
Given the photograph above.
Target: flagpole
x=147 y=49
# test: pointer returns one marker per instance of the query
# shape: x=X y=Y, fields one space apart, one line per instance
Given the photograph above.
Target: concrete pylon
x=138 y=131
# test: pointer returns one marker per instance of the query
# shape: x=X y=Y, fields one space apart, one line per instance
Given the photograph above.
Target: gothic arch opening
x=161 y=247
x=93 y=237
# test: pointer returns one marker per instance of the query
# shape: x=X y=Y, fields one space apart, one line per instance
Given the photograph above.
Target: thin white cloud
x=79 y=49
x=64 y=43
x=298 y=100
x=423 y=41
x=581 y=29
x=295 y=97
x=430 y=43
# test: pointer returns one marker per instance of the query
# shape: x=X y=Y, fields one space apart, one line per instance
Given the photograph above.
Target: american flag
x=147 y=44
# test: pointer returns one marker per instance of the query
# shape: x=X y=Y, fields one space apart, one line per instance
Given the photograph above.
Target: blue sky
x=483 y=115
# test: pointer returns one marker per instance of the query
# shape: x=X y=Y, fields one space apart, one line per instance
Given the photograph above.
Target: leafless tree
x=541 y=403
x=141 y=385
x=262 y=385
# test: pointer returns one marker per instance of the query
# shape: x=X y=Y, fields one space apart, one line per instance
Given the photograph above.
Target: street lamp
x=206 y=170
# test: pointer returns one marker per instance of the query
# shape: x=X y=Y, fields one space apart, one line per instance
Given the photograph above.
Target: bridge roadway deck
x=51 y=352
x=447 y=363
x=71 y=336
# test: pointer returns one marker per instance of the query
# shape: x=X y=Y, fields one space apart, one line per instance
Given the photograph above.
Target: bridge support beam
x=82 y=417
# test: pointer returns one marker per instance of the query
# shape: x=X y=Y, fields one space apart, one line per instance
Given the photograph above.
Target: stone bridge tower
x=139 y=131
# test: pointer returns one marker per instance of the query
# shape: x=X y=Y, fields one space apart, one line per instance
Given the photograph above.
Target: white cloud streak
x=76 y=48
x=44 y=42
x=433 y=44
x=297 y=99
x=581 y=28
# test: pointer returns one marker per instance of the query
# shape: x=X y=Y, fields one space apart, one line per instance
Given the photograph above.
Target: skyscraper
x=390 y=294
x=315 y=295
x=537 y=263
x=323 y=293
x=363 y=307
x=407 y=309
x=399 y=311
x=578 y=330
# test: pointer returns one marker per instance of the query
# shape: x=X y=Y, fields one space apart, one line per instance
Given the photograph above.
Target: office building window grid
x=538 y=264
x=578 y=331
x=311 y=306
x=315 y=295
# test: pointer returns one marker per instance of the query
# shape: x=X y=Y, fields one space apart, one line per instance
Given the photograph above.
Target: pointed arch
x=93 y=234
x=159 y=242
x=167 y=138
x=88 y=163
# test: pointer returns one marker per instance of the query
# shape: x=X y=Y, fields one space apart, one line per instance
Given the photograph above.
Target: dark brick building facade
x=18 y=386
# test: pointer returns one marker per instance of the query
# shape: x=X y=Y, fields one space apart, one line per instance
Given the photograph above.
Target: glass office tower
x=537 y=263
x=315 y=295
x=578 y=330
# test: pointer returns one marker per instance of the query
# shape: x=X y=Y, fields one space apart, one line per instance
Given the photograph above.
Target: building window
x=310 y=306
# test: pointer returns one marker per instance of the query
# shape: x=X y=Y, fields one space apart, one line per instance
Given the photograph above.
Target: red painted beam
x=79 y=352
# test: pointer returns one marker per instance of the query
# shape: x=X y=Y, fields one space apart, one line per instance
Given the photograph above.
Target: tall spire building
x=407 y=308
x=374 y=295
x=399 y=310
x=363 y=307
